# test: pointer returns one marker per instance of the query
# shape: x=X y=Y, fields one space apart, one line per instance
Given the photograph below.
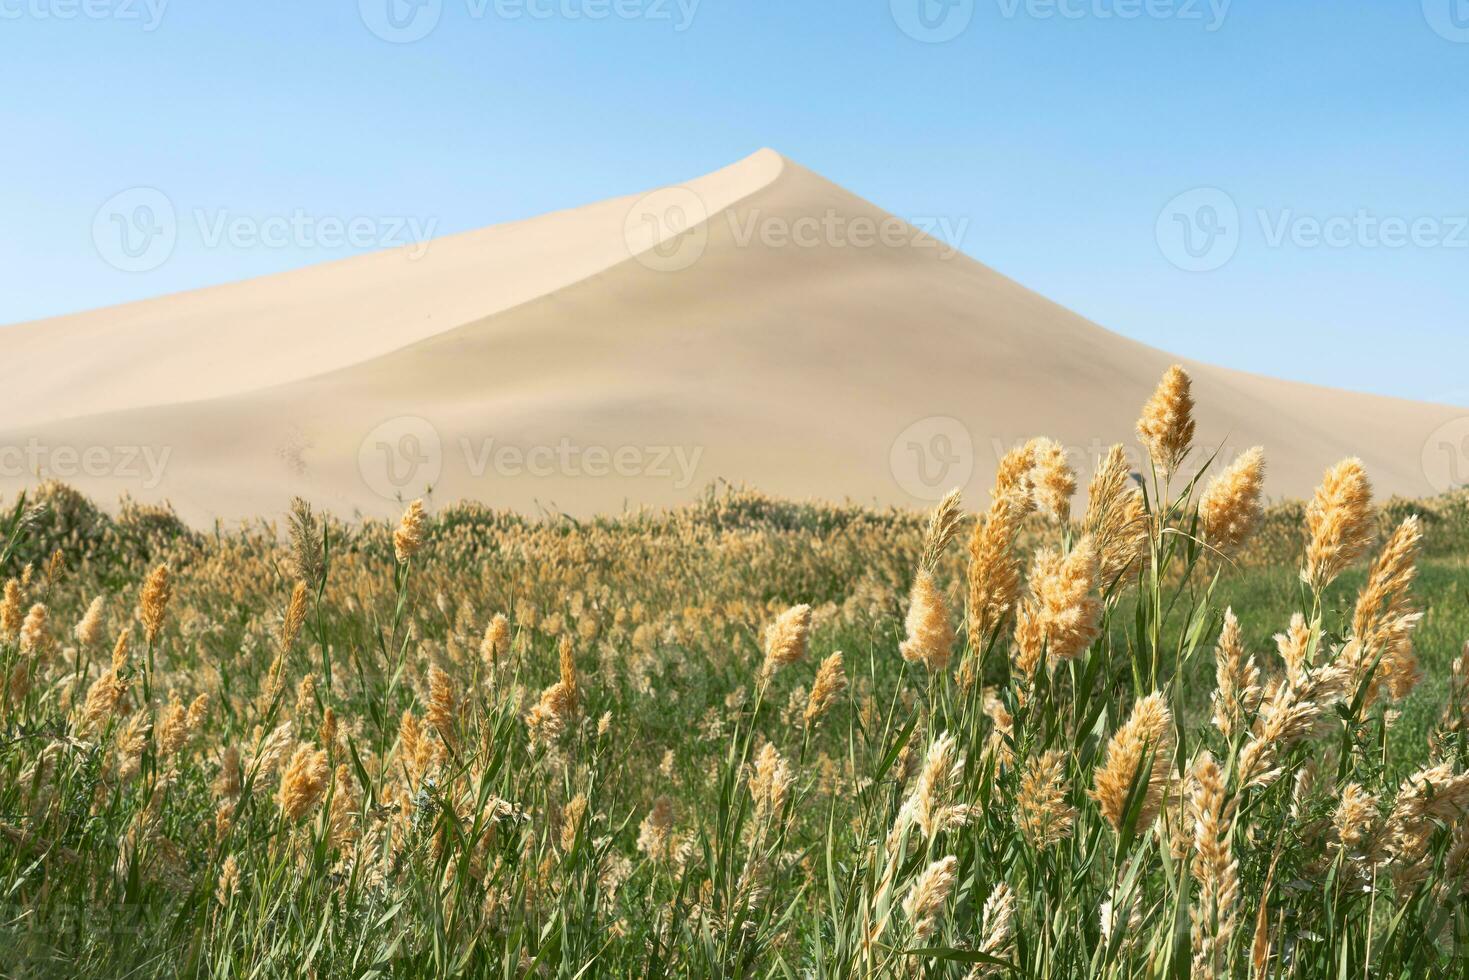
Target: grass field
x=484 y=745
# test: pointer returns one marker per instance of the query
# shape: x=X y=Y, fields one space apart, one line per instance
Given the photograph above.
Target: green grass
x=461 y=867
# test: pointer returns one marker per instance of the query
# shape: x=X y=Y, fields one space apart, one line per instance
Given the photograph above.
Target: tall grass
x=746 y=738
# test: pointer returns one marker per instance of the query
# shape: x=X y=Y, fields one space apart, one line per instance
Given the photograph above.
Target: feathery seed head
x=295 y=616
x=408 y=538
x=1116 y=518
x=1052 y=480
x=12 y=609
x=496 y=642
x=997 y=936
x=35 y=641
x=153 y=603
x=930 y=638
x=1230 y=506
x=943 y=525
x=342 y=818
x=1141 y=750
x=303 y=782
x=655 y=834
x=1236 y=678
x=571 y=820
x=1340 y=521
x=1355 y=815
x=1384 y=619
x=926 y=898
x=994 y=567
x=1043 y=813
x=1063 y=610
x=308 y=559
x=104 y=698
x=785 y=639
x=1215 y=916
x=1167 y=423
x=770 y=783
x=229 y=880
x=831 y=681
x=88 y=631
x=931 y=805
x=443 y=706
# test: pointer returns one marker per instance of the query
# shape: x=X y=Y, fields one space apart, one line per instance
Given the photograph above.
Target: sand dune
x=793 y=337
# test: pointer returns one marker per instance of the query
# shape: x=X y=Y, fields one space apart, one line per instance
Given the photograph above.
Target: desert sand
x=765 y=327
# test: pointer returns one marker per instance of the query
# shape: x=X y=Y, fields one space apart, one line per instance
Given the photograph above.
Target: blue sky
x=1086 y=145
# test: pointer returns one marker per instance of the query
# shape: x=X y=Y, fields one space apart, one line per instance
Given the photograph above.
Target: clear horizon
x=1279 y=191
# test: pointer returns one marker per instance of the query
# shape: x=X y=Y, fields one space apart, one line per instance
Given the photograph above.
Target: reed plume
x=1290 y=714
x=994 y=566
x=996 y=930
x=153 y=603
x=89 y=629
x=933 y=804
x=295 y=617
x=180 y=725
x=496 y=643
x=1237 y=679
x=927 y=896
x=566 y=664
x=1013 y=475
x=342 y=816
x=1216 y=914
x=1116 y=519
x=558 y=703
x=943 y=526
x=930 y=638
x=443 y=706
x=408 y=538
x=1062 y=612
x=1296 y=647
x=655 y=834
x=327 y=733
x=305 y=695
x=1052 y=480
x=131 y=741
x=272 y=750
x=229 y=880
x=35 y=639
x=308 y=551
x=303 y=782
x=1356 y=812
x=770 y=784
x=12 y=609
x=1384 y=618
x=1166 y=426
x=571 y=821
x=1044 y=815
x=1430 y=798
x=1138 y=759
x=1340 y=522
x=831 y=681
x=104 y=698
x=1230 y=507
x=786 y=638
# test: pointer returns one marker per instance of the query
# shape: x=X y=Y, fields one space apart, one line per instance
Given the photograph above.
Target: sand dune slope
x=774 y=344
